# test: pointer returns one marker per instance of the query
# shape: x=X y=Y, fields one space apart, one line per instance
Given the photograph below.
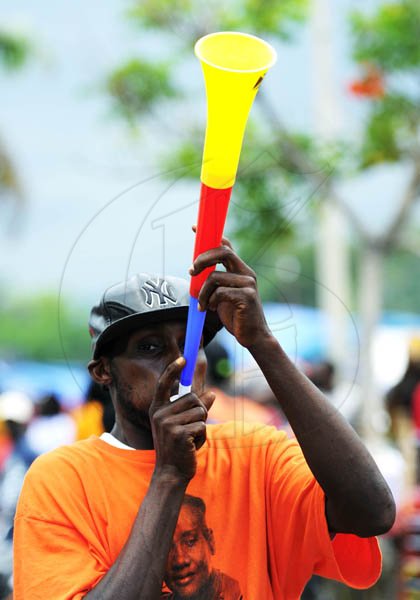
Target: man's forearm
x=138 y=572
x=358 y=498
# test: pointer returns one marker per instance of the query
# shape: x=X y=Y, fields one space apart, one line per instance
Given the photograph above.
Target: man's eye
x=148 y=348
x=191 y=541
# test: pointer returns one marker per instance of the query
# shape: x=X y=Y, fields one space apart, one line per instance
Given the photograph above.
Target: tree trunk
x=370 y=308
x=332 y=260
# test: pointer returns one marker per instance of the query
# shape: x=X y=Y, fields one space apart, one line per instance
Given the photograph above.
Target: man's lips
x=185 y=579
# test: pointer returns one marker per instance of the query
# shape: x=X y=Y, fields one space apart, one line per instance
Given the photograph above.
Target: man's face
x=189 y=561
x=136 y=371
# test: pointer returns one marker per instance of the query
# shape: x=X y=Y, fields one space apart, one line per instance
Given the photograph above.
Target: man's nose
x=179 y=558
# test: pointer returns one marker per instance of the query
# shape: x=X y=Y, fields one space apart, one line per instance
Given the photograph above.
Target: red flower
x=370 y=86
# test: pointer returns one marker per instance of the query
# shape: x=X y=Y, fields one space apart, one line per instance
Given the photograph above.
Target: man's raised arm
x=358 y=499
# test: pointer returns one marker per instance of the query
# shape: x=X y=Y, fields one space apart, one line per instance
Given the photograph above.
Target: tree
x=29 y=326
x=14 y=52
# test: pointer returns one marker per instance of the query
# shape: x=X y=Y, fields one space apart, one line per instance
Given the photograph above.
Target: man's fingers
x=226 y=242
x=166 y=381
x=207 y=398
x=192 y=415
x=191 y=404
x=222 y=255
x=197 y=431
x=221 y=279
x=231 y=295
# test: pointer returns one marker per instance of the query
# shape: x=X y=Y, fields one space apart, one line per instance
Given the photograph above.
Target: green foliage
x=391 y=131
x=192 y=18
x=35 y=328
x=160 y=14
x=264 y=16
x=138 y=85
x=388 y=40
x=14 y=50
x=8 y=176
x=295 y=283
x=401 y=289
x=186 y=156
x=389 y=37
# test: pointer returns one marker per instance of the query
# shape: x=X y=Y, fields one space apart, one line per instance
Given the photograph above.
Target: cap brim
x=132 y=322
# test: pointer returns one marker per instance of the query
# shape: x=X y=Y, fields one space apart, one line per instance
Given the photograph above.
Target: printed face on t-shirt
x=189 y=560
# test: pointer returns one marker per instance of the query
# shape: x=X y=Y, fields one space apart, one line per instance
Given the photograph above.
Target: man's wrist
x=169 y=477
x=263 y=344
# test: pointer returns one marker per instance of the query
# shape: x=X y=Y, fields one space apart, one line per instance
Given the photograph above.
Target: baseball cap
x=141 y=300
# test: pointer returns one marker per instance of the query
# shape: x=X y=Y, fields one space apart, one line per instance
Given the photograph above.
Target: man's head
x=137 y=330
x=188 y=569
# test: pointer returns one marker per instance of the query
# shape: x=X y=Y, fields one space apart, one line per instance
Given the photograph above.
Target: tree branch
x=307 y=168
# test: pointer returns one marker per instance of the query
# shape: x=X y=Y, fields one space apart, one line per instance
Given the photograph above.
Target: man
x=96 y=519
x=189 y=573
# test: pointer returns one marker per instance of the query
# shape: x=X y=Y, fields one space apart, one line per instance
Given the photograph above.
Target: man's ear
x=210 y=539
x=100 y=370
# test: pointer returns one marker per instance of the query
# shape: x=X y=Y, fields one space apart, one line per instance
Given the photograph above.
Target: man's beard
x=125 y=393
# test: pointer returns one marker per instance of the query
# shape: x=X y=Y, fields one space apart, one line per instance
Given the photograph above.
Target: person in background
x=400 y=406
x=343 y=393
x=322 y=375
x=228 y=406
x=16 y=410
x=50 y=427
x=96 y=414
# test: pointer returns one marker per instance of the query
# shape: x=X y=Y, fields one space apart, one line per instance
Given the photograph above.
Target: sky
x=96 y=208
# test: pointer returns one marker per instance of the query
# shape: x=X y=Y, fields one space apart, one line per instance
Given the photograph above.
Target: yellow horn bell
x=234 y=64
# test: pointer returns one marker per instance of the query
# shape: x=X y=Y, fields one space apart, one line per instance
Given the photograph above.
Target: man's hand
x=233 y=294
x=178 y=428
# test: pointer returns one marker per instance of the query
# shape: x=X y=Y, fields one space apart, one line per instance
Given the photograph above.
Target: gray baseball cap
x=141 y=300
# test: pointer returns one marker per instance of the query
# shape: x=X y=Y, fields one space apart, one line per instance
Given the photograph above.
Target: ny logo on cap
x=158 y=290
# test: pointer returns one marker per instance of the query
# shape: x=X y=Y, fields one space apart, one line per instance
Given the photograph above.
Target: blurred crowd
x=30 y=426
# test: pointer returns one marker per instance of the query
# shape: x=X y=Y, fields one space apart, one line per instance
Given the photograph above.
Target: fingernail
x=180 y=360
x=199 y=307
x=191 y=270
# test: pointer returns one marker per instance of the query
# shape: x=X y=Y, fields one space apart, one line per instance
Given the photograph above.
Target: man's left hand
x=233 y=294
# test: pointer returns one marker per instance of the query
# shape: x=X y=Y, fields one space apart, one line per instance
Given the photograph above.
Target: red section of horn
x=212 y=213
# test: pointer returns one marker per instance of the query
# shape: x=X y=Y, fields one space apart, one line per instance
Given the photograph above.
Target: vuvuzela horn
x=234 y=65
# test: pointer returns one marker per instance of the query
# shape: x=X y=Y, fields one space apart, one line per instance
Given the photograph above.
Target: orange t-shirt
x=262 y=505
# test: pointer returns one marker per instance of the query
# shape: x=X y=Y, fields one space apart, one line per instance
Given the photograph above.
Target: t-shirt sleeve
x=299 y=539
x=53 y=557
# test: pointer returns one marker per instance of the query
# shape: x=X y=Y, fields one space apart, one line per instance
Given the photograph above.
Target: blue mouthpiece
x=195 y=324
